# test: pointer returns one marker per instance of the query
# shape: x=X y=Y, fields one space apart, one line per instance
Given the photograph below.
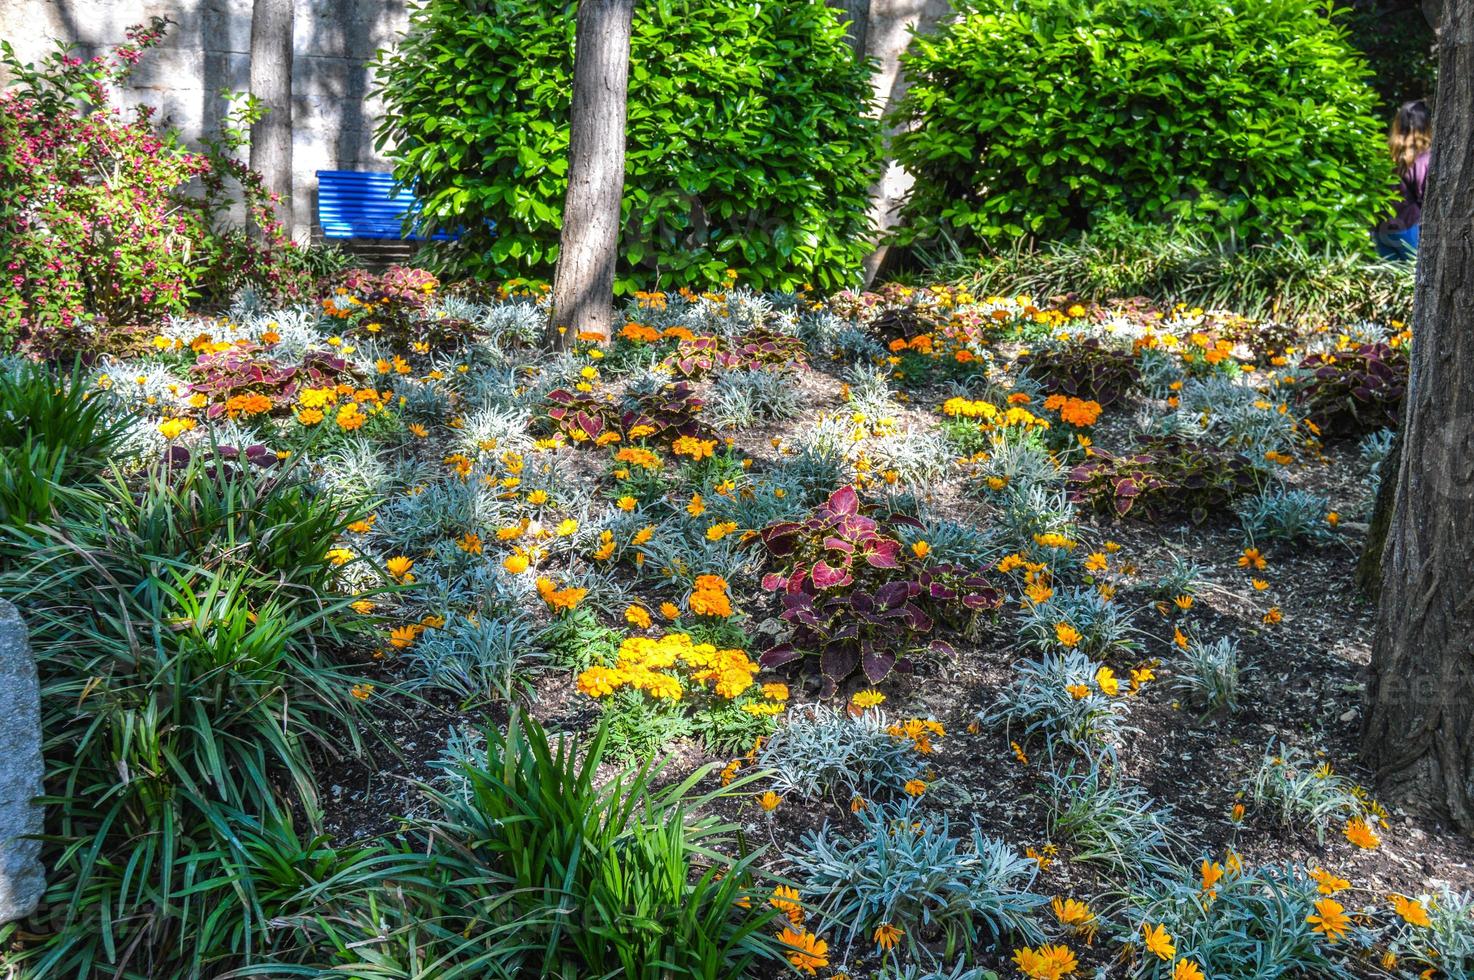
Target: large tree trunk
x=583 y=284
x=1419 y=733
x=271 y=84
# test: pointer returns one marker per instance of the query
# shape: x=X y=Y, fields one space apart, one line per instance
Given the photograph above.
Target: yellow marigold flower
x=670 y=610
x=1158 y=941
x=805 y=951
x=567 y=528
x=626 y=503
x=637 y=616
x=1327 y=883
x=340 y=556
x=1045 y=963
x=516 y=564
x=921 y=549
x=1360 y=833
x=470 y=543
x=697 y=506
x=1329 y=919
x=1075 y=915
x=769 y=801
x=886 y=935
x=361 y=691
x=775 y=691
x=402 y=637
x=785 y=899
x=1066 y=634
x=399 y=566
x=1187 y=970
x=869 y=698
x=597 y=682
x=172 y=428
x=1105 y=679
x=914 y=787
x=720 y=530
x=1411 y=910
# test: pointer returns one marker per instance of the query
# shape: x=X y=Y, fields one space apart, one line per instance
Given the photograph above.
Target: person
x=1409 y=139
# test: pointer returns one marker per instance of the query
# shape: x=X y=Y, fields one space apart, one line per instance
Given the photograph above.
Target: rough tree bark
x=1419 y=728
x=583 y=283
x=271 y=84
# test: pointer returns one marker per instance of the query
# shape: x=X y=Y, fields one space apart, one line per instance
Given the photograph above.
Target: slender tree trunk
x=271 y=84
x=583 y=283
x=1419 y=729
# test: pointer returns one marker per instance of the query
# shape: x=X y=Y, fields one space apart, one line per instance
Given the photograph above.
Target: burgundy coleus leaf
x=839 y=660
x=884 y=554
x=773 y=581
x=942 y=592
x=798 y=581
x=917 y=619
x=942 y=648
x=892 y=594
x=826 y=576
x=844 y=501
x=839 y=544
x=777 y=656
x=592 y=425
x=878 y=663
x=861 y=602
x=781 y=539
x=984 y=598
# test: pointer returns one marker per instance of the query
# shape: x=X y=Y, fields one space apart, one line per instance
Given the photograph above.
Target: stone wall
x=208 y=50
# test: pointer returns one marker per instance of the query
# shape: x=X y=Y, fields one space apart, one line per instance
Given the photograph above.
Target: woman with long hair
x=1409 y=139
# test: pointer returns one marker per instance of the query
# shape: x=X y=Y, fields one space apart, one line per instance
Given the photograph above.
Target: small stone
x=22 y=879
x=1348 y=715
x=336 y=790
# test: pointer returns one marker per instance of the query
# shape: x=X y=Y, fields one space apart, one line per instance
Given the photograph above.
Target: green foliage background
x=748 y=143
x=1035 y=118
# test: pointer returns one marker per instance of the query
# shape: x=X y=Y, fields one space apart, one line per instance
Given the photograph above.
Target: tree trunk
x=1369 y=568
x=271 y=85
x=583 y=283
x=1419 y=729
x=857 y=15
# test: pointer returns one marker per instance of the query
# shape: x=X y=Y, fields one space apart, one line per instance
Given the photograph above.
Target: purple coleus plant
x=856 y=598
x=669 y=412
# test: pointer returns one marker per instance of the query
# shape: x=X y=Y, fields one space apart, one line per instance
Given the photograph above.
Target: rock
x=22 y=879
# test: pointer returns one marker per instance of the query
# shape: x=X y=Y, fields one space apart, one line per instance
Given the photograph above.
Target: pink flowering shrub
x=96 y=232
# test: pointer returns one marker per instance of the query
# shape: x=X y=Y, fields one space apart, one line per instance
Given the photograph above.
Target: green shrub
x=1035 y=117
x=748 y=143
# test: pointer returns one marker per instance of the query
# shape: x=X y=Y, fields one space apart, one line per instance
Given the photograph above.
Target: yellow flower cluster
x=654 y=666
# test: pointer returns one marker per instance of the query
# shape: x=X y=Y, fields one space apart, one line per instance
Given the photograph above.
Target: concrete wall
x=208 y=50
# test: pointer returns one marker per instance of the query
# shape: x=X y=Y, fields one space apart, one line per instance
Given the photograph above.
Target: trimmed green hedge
x=1033 y=118
x=748 y=143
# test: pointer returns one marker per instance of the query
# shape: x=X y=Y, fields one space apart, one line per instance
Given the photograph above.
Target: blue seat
x=366 y=204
